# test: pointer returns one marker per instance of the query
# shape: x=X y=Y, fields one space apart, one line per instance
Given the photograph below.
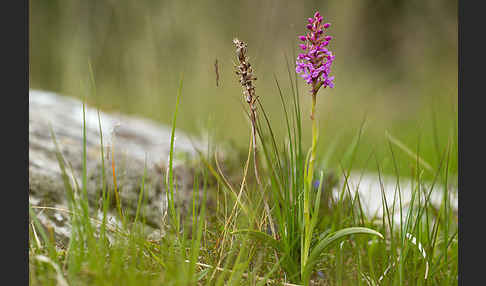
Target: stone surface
x=130 y=141
x=370 y=187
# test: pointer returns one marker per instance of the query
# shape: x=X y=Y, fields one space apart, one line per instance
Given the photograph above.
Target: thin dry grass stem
x=238 y=197
x=37 y=240
x=243 y=182
x=245 y=72
x=232 y=189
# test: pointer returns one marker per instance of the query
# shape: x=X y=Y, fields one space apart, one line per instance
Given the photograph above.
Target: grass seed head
x=245 y=72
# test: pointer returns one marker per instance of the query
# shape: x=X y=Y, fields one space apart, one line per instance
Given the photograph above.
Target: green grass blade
x=327 y=241
x=142 y=188
x=62 y=166
x=170 y=183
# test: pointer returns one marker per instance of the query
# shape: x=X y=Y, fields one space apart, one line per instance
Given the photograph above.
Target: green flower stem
x=309 y=178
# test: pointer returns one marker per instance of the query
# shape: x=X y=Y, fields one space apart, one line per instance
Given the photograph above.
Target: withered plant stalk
x=246 y=76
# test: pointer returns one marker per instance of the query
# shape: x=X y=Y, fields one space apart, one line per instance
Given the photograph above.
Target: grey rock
x=132 y=142
x=370 y=187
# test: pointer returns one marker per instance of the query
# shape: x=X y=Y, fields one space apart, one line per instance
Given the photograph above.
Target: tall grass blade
x=170 y=179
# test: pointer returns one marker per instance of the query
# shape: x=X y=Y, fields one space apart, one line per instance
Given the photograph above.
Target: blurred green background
x=396 y=65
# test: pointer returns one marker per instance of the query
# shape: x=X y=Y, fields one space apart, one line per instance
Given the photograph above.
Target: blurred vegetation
x=396 y=65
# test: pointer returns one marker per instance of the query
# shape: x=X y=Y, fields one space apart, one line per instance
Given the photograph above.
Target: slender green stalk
x=308 y=186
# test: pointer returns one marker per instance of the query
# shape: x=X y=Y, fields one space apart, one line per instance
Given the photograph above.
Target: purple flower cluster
x=315 y=63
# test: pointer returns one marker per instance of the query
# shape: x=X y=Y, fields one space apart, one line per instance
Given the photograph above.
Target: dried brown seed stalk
x=246 y=77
